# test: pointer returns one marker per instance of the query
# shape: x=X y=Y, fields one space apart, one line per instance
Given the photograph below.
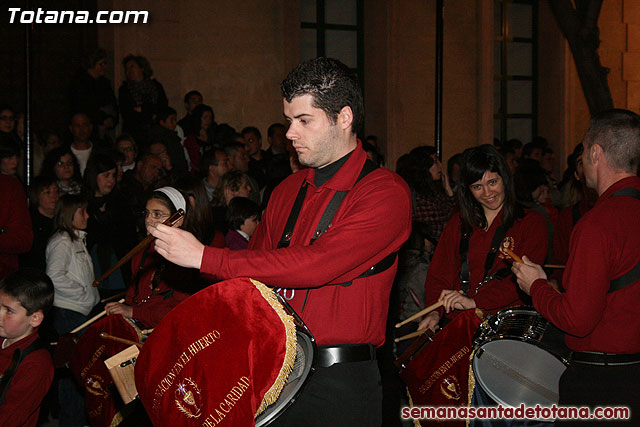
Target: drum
x=519 y=358
x=437 y=372
x=242 y=360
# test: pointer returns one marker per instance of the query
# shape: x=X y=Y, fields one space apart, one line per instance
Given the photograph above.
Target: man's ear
x=36 y=319
x=345 y=118
x=595 y=152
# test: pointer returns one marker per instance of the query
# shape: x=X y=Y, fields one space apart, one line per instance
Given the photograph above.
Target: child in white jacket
x=69 y=265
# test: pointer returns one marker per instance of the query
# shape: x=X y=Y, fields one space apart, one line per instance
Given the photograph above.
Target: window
x=333 y=28
x=515 y=69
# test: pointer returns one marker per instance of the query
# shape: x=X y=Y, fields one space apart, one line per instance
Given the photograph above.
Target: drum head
x=302 y=368
x=514 y=372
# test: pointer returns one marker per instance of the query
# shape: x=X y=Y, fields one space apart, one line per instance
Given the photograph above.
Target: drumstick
x=518 y=259
x=120 y=340
x=116 y=296
x=413 y=334
x=93 y=319
x=420 y=313
x=171 y=221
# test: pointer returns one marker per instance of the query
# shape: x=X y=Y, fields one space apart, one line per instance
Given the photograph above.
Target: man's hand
x=118 y=308
x=455 y=300
x=527 y=273
x=178 y=246
x=430 y=321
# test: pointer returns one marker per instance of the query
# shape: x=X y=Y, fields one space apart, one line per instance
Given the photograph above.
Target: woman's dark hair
x=65 y=209
x=195 y=120
x=199 y=222
x=417 y=171
x=38 y=185
x=94 y=57
x=475 y=162
x=528 y=177
x=240 y=209
x=53 y=157
x=142 y=63
x=97 y=164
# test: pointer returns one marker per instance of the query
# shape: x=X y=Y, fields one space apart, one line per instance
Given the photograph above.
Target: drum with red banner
x=102 y=399
x=438 y=373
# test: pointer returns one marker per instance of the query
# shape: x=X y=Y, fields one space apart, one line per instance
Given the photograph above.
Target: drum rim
x=275 y=410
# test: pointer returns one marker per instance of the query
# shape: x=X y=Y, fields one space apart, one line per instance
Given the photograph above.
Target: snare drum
x=519 y=358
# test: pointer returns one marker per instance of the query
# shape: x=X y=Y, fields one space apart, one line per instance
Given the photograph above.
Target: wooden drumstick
x=93 y=319
x=518 y=259
x=120 y=340
x=420 y=313
x=413 y=335
x=111 y=298
x=171 y=221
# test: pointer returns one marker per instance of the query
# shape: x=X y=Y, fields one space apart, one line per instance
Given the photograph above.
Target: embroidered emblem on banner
x=95 y=385
x=450 y=388
x=188 y=398
x=507 y=243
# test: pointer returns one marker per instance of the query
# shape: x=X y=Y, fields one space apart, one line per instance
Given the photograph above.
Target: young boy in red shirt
x=26 y=368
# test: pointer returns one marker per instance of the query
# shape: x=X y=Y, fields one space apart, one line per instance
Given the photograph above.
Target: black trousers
x=593 y=386
x=345 y=394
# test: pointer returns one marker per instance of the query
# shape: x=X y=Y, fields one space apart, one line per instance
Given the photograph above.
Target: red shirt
x=605 y=244
x=527 y=236
x=372 y=222
x=29 y=385
x=15 y=219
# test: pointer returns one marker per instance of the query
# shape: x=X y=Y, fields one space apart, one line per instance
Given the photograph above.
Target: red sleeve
x=15 y=218
x=152 y=311
x=367 y=231
x=531 y=239
x=29 y=385
x=218 y=240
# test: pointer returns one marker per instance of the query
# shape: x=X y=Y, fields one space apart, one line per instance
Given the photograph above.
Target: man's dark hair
x=617 y=131
x=529 y=147
x=273 y=127
x=31 y=287
x=333 y=86
x=209 y=159
x=251 y=129
x=190 y=94
x=94 y=57
x=475 y=162
x=164 y=113
x=241 y=208
x=231 y=148
x=528 y=177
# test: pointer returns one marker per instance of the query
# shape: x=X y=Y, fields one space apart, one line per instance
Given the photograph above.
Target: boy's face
x=249 y=226
x=15 y=324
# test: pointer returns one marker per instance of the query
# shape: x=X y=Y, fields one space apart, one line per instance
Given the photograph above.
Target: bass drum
x=303 y=367
x=519 y=358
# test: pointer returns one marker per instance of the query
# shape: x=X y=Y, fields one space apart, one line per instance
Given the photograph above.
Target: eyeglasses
x=126 y=149
x=154 y=214
x=65 y=164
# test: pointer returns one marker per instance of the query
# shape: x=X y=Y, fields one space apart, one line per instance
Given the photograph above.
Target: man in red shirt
x=599 y=310
x=339 y=281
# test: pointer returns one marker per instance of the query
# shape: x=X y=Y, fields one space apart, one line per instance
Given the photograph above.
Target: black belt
x=331 y=354
x=604 y=359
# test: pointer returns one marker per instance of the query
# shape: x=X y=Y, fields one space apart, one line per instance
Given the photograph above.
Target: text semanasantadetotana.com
x=521 y=412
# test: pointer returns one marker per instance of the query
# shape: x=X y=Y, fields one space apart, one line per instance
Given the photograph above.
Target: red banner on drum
x=439 y=374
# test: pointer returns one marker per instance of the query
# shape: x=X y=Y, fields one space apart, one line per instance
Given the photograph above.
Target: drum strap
x=325 y=223
x=465 y=273
x=634 y=274
x=18 y=356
